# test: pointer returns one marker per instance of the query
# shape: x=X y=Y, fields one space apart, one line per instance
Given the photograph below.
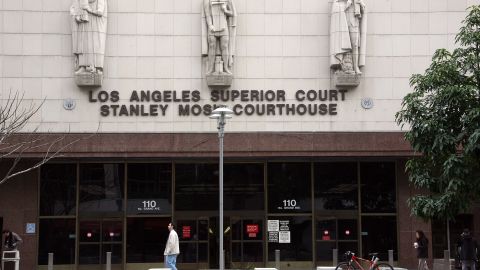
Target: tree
x=443 y=113
x=15 y=114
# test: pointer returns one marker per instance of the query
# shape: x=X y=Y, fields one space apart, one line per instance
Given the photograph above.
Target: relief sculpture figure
x=219 y=19
x=348 y=29
x=89 y=31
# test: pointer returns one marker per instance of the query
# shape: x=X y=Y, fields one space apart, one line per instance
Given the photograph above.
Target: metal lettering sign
x=290 y=204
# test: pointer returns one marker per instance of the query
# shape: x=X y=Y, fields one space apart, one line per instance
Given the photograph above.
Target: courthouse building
x=314 y=160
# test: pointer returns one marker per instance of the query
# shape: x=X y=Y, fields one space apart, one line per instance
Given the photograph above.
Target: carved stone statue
x=219 y=19
x=89 y=31
x=348 y=36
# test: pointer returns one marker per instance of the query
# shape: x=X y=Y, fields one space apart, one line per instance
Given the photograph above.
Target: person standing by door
x=467 y=249
x=421 y=245
x=172 y=248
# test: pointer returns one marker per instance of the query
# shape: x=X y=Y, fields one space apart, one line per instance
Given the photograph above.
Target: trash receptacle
x=11 y=260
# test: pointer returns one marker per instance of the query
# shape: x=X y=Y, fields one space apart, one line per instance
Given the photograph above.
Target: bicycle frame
x=357 y=260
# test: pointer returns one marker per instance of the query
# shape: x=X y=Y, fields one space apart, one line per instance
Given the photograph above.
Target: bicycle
x=355 y=263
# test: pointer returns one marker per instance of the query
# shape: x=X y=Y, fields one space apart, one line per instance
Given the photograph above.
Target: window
x=296 y=242
x=378 y=187
x=193 y=236
x=247 y=243
x=289 y=188
x=336 y=186
x=199 y=181
x=146 y=238
x=379 y=234
x=149 y=188
x=58 y=191
x=335 y=233
x=57 y=236
x=243 y=186
x=97 y=237
x=101 y=188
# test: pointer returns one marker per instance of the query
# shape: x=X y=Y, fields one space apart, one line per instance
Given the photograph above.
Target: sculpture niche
x=219 y=19
x=89 y=31
x=348 y=36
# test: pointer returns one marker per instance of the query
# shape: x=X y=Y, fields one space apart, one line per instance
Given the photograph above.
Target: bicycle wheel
x=344 y=266
x=383 y=266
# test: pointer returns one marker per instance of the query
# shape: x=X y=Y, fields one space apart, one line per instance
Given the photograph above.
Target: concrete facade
x=281 y=45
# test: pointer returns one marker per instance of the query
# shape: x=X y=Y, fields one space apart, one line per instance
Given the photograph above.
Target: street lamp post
x=221 y=114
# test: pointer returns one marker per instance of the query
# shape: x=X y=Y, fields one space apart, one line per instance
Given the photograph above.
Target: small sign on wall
x=30 y=228
x=186 y=232
x=252 y=230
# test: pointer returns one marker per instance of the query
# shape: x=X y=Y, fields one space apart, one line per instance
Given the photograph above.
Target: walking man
x=467 y=249
x=171 y=249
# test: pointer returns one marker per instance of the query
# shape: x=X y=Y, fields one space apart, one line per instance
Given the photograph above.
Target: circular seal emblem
x=367 y=103
x=69 y=104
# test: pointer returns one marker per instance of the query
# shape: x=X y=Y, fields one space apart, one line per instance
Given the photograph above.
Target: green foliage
x=443 y=114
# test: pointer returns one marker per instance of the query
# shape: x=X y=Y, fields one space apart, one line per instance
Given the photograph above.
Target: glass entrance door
x=199 y=242
x=96 y=238
x=214 y=242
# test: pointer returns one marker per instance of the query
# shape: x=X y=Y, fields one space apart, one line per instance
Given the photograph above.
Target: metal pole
x=448 y=235
x=50 y=261
x=446 y=259
x=335 y=256
x=390 y=257
x=109 y=261
x=221 y=125
x=277 y=259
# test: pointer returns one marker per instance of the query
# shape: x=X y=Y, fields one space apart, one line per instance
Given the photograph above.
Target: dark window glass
x=188 y=253
x=188 y=233
x=196 y=186
x=112 y=231
x=58 y=189
x=90 y=231
x=203 y=230
x=336 y=186
x=149 y=188
x=101 y=188
x=289 y=188
x=97 y=237
x=347 y=229
x=202 y=252
x=325 y=250
x=326 y=229
x=146 y=238
x=379 y=234
x=57 y=236
x=248 y=234
x=252 y=251
x=300 y=246
x=89 y=254
x=237 y=252
x=243 y=186
x=237 y=229
x=378 y=187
